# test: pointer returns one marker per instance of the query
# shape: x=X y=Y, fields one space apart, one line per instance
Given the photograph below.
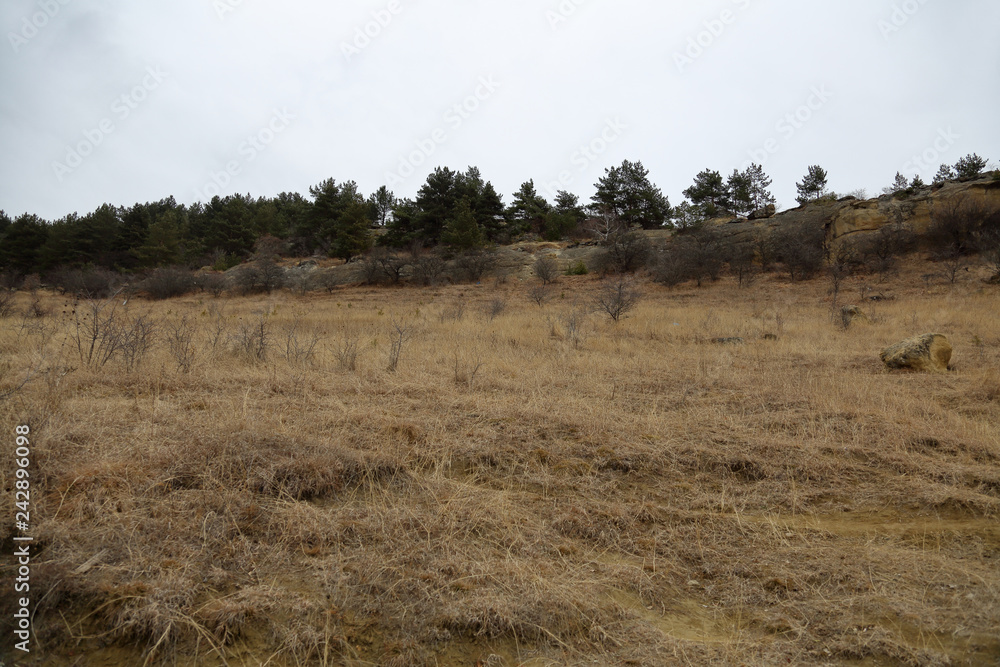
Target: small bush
x=546 y=269
x=625 y=251
x=6 y=302
x=428 y=269
x=89 y=284
x=495 y=308
x=258 y=277
x=253 y=339
x=212 y=283
x=167 y=283
x=618 y=297
x=474 y=264
x=539 y=294
x=800 y=249
x=180 y=342
x=578 y=268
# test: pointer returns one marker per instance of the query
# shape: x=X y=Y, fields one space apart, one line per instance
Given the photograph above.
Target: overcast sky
x=122 y=102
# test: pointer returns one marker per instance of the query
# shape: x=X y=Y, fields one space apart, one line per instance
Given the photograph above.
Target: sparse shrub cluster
x=168 y=282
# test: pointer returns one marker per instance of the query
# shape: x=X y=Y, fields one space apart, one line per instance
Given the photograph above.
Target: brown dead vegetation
x=601 y=493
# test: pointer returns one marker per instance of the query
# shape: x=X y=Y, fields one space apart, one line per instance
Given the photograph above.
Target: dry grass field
x=532 y=485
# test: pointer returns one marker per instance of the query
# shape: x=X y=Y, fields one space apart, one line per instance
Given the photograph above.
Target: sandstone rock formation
x=927 y=352
x=764 y=213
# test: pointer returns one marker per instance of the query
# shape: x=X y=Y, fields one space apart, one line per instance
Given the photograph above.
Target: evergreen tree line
x=457 y=209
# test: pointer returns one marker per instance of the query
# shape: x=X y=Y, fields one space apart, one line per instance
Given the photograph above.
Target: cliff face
x=853 y=217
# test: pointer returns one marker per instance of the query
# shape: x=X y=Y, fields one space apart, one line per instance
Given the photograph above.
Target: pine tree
x=709 y=193
x=944 y=174
x=382 y=202
x=163 y=241
x=970 y=166
x=758 y=185
x=813 y=186
x=528 y=210
x=352 y=233
x=625 y=193
x=898 y=185
x=461 y=231
x=740 y=193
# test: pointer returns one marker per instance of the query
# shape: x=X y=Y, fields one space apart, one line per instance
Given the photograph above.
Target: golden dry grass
x=538 y=487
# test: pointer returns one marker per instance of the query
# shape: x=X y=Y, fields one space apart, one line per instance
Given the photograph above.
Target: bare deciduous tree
x=617 y=297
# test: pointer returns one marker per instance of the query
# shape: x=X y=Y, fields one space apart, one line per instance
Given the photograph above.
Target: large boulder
x=927 y=352
x=764 y=213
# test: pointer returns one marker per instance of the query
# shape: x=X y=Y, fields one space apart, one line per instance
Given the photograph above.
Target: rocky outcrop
x=927 y=352
x=914 y=210
x=764 y=213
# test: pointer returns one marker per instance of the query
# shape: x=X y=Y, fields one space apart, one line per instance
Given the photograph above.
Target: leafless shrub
x=696 y=256
x=179 y=335
x=765 y=248
x=103 y=330
x=168 y=282
x=539 y=294
x=89 y=284
x=212 y=283
x=299 y=282
x=258 y=277
x=253 y=339
x=801 y=249
x=96 y=331
x=13 y=280
x=573 y=326
x=345 y=349
x=546 y=269
x=474 y=264
x=300 y=345
x=6 y=302
x=391 y=264
x=955 y=223
x=369 y=272
x=327 y=279
x=844 y=259
x=952 y=260
x=617 y=297
x=454 y=313
x=740 y=256
x=466 y=369
x=500 y=276
x=988 y=243
x=219 y=323
x=398 y=336
x=625 y=251
x=135 y=340
x=494 y=308
x=428 y=269
x=880 y=250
